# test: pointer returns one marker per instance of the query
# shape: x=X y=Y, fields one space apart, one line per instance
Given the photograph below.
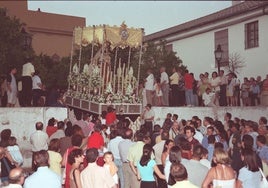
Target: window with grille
x=252 y=35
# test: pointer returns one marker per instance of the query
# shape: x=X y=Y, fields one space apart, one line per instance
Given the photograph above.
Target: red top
x=188 y=79
x=68 y=167
x=193 y=143
x=95 y=140
x=186 y=154
x=110 y=118
x=50 y=130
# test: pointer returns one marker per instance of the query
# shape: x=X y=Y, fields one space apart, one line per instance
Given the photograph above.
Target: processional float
x=103 y=82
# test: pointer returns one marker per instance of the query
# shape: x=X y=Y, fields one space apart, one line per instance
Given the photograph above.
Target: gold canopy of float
x=117 y=36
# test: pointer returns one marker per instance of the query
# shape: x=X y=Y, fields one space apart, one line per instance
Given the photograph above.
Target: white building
x=241 y=29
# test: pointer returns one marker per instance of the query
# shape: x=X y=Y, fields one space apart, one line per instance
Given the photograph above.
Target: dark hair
x=113 y=134
x=167 y=143
x=39 y=126
x=97 y=128
x=218 y=145
x=146 y=154
x=229 y=115
x=212 y=128
x=178 y=172
x=248 y=141
x=139 y=136
x=250 y=159
x=263 y=119
x=12 y=141
x=261 y=139
x=73 y=154
x=41 y=158
x=176 y=116
x=211 y=139
x=236 y=126
x=175 y=154
x=77 y=140
x=60 y=125
x=195 y=118
x=198 y=151
x=204 y=151
x=157 y=128
x=92 y=155
x=54 y=145
x=51 y=122
x=69 y=131
x=165 y=135
x=189 y=128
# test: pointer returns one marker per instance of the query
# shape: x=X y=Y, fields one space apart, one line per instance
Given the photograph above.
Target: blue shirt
x=210 y=151
x=248 y=178
x=263 y=153
x=147 y=172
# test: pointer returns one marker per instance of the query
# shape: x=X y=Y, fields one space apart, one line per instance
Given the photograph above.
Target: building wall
x=255 y=58
x=52 y=33
x=51 y=43
x=197 y=52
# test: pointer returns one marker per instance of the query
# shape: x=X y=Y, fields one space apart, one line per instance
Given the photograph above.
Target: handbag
x=264 y=182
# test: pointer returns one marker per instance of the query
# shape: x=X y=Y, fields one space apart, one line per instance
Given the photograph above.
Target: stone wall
x=22 y=121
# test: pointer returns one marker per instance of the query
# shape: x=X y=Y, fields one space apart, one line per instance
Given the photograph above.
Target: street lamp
x=27 y=39
x=218 y=56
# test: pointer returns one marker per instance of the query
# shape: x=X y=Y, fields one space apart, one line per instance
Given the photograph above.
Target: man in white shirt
x=27 y=73
x=164 y=81
x=37 y=88
x=148 y=117
x=149 y=86
x=94 y=175
x=43 y=177
x=39 y=141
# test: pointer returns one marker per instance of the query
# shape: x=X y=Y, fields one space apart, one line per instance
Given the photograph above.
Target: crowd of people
x=183 y=89
x=113 y=152
x=28 y=90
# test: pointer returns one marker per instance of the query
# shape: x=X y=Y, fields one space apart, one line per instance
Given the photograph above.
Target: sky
x=153 y=16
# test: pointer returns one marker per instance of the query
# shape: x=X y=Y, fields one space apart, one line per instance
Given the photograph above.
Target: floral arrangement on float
x=104 y=81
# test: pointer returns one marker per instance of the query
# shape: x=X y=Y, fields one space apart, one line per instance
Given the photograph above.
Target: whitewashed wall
x=247 y=113
x=197 y=52
x=22 y=121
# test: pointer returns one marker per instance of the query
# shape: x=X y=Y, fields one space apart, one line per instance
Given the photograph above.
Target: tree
x=236 y=63
x=52 y=73
x=12 y=51
x=156 y=55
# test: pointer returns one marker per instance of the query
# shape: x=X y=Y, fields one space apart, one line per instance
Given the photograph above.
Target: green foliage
x=12 y=51
x=52 y=73
x=156 y=55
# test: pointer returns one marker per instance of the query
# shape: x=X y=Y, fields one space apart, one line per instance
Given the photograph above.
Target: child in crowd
x=110 y=165
x=158 y=92
x=14 y=151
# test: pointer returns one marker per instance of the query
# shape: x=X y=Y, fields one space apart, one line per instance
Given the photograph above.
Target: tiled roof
x=220 y=15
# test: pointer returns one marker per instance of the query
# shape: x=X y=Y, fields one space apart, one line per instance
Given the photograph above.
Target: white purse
x=264 y=182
